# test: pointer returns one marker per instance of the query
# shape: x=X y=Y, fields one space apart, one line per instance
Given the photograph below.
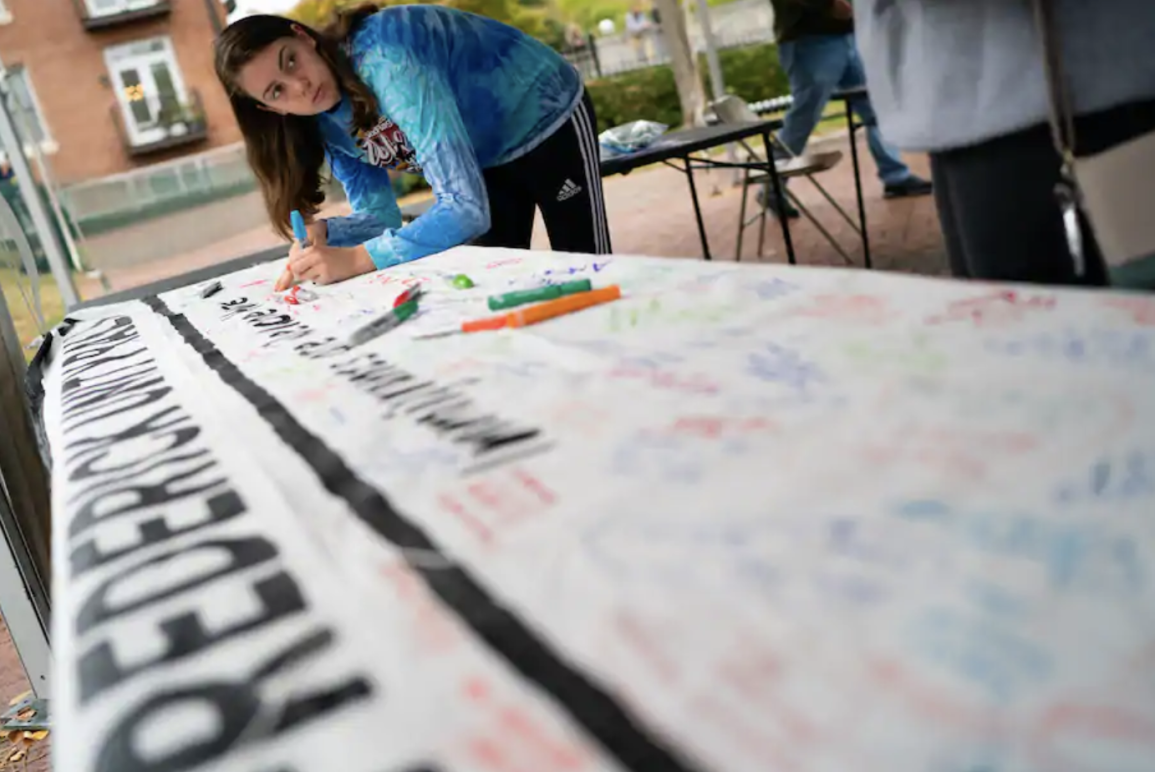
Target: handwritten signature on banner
x=994 y=309
x=716 y=427
x=730 y=555
x=872 y=310
x=670 y=452
x=667 y=380
x=1140 y=310
x=657 y=313
x=498 y=503
x=1010 y=415
x=562 y=274
x=957 y=452
x=919 y=354
x=1002 y=662
x=513 y=739
x=771 y=289
x=504 y=261
x=741 y=692
x=1099 y=347
x=1121 y=478
x=1055 y=736
x=787 y=367
x=1085 y=558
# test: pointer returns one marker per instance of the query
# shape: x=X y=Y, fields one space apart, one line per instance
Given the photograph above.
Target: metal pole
x=717 y=83
x=25 y=563
x=593 y=44
x=28 y=630
x=214 y=15
x=56 y=259
x=50 y=190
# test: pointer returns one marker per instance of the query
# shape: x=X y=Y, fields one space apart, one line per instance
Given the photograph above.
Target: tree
x=316 y=13
x=688 y=79
x=531 y=20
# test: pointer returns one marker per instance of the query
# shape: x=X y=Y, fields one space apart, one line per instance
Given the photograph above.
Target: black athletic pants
x=562 y=177
x=997 y=205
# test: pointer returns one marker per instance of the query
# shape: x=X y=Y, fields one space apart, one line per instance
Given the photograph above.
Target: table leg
x=852 y=127
x=697 y=208
x=780 y=197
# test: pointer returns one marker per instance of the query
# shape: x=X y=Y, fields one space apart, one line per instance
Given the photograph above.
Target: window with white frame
x=112 y=7
x=149 y=86
x=25 y=108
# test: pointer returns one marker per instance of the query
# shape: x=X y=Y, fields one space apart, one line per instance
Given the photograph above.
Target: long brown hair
x=286 y=152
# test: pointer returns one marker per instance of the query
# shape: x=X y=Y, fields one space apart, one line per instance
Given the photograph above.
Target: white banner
x=742 y=519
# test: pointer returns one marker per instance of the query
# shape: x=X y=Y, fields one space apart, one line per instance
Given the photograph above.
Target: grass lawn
x=10 y=282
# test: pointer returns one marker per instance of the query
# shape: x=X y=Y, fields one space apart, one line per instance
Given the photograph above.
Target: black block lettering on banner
x=446 y=411
x=155 y=463
x=243 y=715
x=185 y=635
x=136 y=385
x=155 y=530
x=90 y=351
x=169 y=423
x=242 y=553
x=103 y=336
x=100 y=502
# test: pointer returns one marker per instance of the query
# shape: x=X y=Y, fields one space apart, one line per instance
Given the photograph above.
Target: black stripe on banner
x=621 y=735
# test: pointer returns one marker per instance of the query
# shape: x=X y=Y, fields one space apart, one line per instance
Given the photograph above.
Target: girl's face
x=290 y=77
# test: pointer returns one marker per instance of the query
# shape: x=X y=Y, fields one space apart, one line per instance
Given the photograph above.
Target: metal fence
x=100 y=204
x=741 y=23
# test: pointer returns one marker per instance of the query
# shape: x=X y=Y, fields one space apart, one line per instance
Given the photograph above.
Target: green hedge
x=751 y=72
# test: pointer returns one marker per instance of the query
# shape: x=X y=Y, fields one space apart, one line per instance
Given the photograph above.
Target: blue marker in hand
x=298 y=222
x=299 y=231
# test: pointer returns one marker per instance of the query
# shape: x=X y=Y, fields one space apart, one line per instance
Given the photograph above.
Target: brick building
x=113 y=85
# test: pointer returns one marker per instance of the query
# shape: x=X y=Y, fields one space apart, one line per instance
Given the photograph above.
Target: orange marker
x=565 y=305
x=544 y=311
x=537 y=313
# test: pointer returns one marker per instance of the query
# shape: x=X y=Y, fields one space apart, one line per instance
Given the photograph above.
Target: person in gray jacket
x=965 y=81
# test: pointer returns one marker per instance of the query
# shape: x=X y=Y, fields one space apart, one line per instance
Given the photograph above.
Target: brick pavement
x=14 y=682
x=651 y=214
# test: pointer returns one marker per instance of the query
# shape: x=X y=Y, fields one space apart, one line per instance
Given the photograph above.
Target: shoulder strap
x=1062 y=116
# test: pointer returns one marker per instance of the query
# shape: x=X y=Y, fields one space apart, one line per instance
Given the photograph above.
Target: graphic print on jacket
x=385 y=145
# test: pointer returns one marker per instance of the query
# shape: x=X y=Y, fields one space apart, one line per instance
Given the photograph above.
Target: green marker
x=548 y=292
x=384 y=324
x=461 y=281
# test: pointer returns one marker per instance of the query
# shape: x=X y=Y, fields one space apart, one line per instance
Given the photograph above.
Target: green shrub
x=751 y=72
x=404 y=184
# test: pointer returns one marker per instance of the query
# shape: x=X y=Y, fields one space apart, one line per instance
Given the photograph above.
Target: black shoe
x=911 y=186
x=777 y=208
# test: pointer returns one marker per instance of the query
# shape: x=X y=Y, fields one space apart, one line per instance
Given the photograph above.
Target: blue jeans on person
x=819 y=65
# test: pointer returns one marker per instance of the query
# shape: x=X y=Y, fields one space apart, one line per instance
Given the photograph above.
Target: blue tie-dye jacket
x=458 y=93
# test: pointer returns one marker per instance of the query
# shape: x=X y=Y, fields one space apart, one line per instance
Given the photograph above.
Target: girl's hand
x=318 y=235
x=325 y=265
